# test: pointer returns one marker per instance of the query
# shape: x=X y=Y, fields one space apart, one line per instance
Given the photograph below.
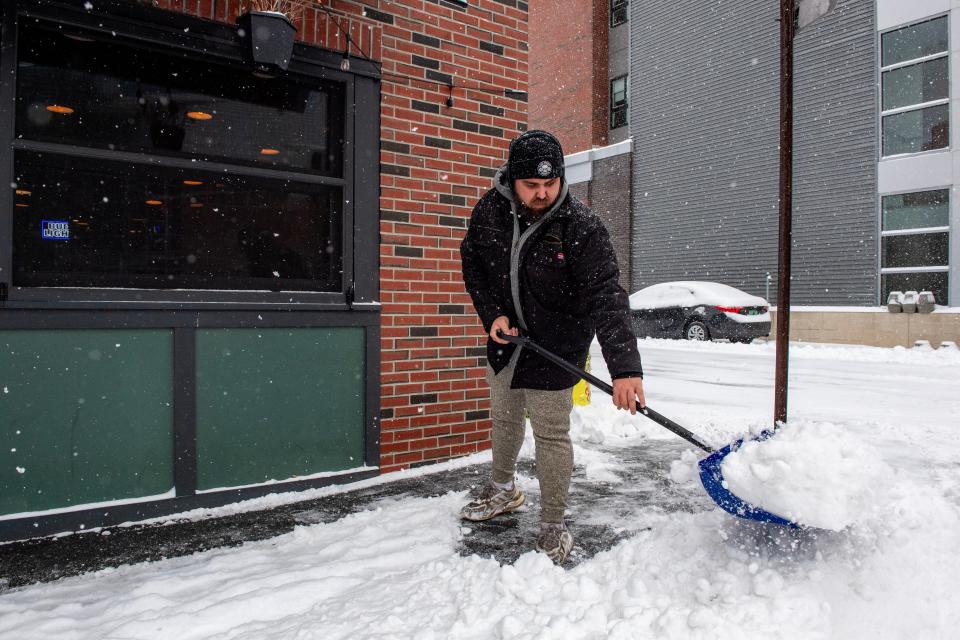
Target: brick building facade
x=568 y=43
x=436 y=162
x=450 y=79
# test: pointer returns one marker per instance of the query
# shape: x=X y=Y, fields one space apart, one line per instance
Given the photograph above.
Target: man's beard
x=537 y=206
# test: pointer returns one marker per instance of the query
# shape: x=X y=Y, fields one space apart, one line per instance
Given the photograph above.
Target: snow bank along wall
x=131 y=391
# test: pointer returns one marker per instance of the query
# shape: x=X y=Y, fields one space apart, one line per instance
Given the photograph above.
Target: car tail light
x=731 y=309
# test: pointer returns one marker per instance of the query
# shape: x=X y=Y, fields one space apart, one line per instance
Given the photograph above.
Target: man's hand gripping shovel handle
x=663 y=421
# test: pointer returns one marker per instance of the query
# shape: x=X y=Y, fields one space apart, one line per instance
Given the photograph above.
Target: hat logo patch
x=544 y=168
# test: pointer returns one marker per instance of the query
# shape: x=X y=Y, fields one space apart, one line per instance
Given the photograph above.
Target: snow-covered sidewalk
x=682 y=570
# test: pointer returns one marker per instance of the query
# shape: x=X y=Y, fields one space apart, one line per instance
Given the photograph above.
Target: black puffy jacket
x=567 y=276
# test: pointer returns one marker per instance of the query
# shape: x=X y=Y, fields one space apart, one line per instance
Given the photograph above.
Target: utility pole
x=787 y=31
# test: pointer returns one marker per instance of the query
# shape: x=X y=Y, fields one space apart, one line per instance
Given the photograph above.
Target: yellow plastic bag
x=581 y=390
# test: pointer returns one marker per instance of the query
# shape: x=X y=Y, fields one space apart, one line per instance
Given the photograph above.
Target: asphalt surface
x=601 y=514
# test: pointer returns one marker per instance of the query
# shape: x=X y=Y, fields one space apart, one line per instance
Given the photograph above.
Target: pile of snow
x=395 y=571
x=812 y=473
x=691 y=294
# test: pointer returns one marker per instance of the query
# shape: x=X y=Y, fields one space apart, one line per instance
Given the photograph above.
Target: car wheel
x=696 y=330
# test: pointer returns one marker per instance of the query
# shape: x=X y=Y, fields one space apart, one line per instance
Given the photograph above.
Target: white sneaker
x=492 y=502
x=555 y=541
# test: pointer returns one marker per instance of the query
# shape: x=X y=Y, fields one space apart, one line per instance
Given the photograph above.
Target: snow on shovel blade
x=711 y=476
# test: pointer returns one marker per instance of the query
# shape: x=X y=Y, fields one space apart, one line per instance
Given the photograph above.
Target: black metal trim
x=54 y=298
x=113 y=318
x=371 y=456
x=366 y=194
x=175 y=162
x=75 y=521
x=8 y=67
x=184 y=411
x=163 y=28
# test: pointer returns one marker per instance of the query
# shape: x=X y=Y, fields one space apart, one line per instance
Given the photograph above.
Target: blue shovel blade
x=712 y=478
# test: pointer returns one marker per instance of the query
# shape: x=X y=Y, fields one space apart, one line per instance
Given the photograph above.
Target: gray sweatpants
x=549 y=413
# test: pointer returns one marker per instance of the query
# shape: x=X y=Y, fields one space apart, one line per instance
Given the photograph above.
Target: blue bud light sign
x=55 y=229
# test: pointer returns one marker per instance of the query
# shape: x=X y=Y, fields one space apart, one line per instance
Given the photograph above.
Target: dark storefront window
x=103 y=225
x=270 y=218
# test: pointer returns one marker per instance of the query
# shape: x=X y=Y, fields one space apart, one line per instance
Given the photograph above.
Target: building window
x=154 y=169
x=618 y=102
x=915 y=69
x=618 y=12
x=915 y=243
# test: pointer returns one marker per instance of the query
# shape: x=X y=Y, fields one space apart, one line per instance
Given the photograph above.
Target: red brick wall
x=435 y=163
x=568 y=71
x=600 y=99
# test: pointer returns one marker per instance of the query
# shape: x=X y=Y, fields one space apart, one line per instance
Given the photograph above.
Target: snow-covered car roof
x=691 y=293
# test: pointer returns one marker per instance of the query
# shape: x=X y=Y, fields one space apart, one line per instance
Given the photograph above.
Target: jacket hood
x=502 y=184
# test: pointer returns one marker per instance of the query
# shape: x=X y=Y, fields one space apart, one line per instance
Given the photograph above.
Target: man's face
x=537 y=194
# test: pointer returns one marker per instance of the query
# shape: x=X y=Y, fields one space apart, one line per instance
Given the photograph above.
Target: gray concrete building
x=876 y=162
x=704 y=104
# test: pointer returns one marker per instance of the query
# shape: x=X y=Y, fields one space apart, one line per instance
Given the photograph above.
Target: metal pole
x=787 y=28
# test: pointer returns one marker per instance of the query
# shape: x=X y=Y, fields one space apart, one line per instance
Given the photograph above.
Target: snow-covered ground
x=395 y=572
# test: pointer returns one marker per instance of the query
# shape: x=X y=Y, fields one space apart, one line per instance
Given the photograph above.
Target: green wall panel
x=85 y=416
x=273 y=404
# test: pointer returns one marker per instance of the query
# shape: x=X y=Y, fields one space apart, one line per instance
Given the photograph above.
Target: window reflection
x=111 y=224
x=915 y=250
x=96 y=91
x=915 y=131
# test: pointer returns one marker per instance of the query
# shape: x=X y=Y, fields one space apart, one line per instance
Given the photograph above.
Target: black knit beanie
x=535 y=154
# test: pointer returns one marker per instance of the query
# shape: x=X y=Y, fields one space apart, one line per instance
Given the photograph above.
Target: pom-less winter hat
x=535 y=154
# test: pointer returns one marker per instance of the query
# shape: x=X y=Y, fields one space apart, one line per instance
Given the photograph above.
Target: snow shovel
x=710 y=473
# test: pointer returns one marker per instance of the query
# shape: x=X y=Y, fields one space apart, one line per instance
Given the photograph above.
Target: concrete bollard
x=926 y=302
x=895 y=302
x=909 y=302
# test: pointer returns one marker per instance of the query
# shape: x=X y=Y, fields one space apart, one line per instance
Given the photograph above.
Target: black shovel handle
x=660 y=419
